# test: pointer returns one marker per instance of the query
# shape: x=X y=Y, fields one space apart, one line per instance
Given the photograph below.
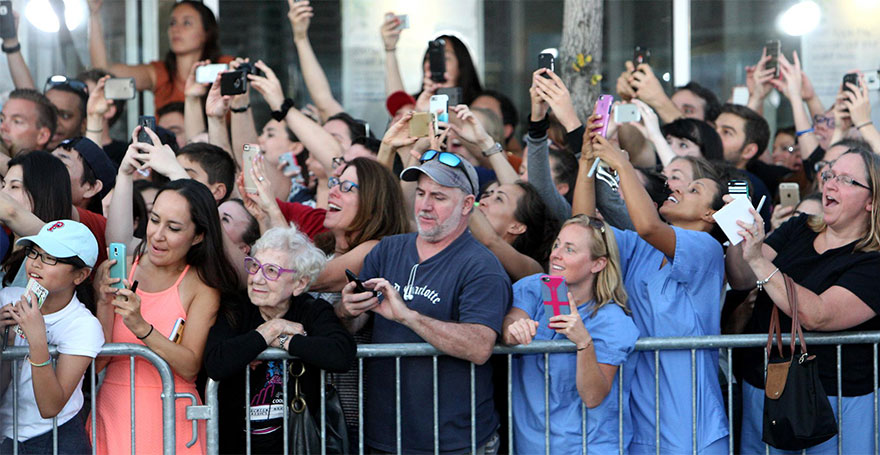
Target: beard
x=441 y=229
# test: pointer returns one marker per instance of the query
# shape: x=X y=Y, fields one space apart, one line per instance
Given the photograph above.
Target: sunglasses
x=449 y=159
x=70 y=144
x=61 y=81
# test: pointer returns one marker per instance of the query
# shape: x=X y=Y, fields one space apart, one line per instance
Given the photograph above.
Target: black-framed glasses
x=844 y=179
x=449 y=159
x=828 y=121
x=820 y=164
x=271 y=271
x=60 y=80
x=32 y=253
x=344 y=185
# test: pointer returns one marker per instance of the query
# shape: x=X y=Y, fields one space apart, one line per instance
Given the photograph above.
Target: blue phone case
x=118 y=270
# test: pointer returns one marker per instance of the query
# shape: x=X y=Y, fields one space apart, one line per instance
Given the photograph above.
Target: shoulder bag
x=304 y=430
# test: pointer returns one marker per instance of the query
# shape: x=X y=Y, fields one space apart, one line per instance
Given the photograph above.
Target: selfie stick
x=593 y=168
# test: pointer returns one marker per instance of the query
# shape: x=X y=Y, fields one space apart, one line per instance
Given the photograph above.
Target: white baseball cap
x=65 y=239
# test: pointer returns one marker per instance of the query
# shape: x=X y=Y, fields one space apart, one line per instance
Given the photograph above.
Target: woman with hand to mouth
x=833 y=258
x=59 y=258
x=674 y=277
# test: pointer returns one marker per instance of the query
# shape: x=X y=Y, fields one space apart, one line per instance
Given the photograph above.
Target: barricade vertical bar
x=583 y=428
x=361 y=406
x=323 y=412
x=876 y=432
x=213 y=426
x=839 y=405
x=546 y=403
x=766 y=360
x=436 y=406
x=14 y=381
x=473 y=409
x=619 y=409
x=93 y=413
x=694 y=400
x=730 y=400
x=247 y=410
x=131 y=395
x=510 y=403
x=54 y=419
x=397 y=401
x=286 y=404
x=657 y=401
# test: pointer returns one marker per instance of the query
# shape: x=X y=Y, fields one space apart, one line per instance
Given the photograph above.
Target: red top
x=308 y=220
x=97 y=224
x=169 y=91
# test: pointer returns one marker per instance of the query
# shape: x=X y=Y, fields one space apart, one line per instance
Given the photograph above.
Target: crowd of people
x=457 y=236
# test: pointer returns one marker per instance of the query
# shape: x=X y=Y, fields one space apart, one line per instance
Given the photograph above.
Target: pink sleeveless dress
x=113 y=403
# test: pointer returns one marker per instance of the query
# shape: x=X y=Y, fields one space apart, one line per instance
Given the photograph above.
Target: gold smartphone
x=789 y=194
x=420 y=124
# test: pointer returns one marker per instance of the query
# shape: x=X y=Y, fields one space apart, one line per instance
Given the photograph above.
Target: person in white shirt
x=60 y=258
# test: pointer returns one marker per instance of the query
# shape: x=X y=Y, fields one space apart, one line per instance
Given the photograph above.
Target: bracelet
x=760 y=283
x=802 y=132
x=869 y=122
x=390 y=50
x=39 y=364
x=10 y=50
x=240 y=110
x=95 y=131
x=148 y=334
x=585 y=347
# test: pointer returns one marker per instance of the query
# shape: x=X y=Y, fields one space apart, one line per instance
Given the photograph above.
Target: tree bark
x=580 y=53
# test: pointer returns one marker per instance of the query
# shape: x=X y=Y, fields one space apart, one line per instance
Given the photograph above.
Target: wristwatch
x=282 y=111
x=497 y=148
x=282 y=339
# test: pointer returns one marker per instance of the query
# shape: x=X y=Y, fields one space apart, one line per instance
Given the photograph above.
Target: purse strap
x=796 y=329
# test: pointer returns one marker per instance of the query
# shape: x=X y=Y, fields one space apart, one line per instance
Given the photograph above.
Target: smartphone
x=7 y=20
x=404 y=21
x=290 y=163
x=740 y=95
x=437 y=59
x=773 y=48
x=852 y=78
x=146 y=121
x=39 y=292
x=119 y=88
x=546 y=60
x=603 y=107
x=454 y=94
x=118 y=270
x=249 y=152
x=738 y=189
x=208 y=74
x=420 y=124
x=789 y=194
x=641 y=55
x=358 y=284
x=177 y=330
x=439 y=106
x=626 y=113
x=233 y=82
x=554 y=294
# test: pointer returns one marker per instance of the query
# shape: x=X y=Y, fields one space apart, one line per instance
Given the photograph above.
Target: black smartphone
x=233 y=82
x=358 y=284
x=437 y=59
x=852 y=78
x=454 y=94
x=546 y=60
x=7 y=20
x=146 y=121
x=773 y=48
x=641 y=55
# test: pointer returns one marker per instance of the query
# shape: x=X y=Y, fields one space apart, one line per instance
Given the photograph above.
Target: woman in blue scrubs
x=674 y=279
x=585 y=254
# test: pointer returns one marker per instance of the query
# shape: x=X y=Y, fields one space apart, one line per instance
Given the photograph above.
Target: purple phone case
x=603 y=107
x=554 y=294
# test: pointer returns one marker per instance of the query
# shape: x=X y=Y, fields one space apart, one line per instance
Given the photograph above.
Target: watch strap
x=281 y=113
x=496 y=148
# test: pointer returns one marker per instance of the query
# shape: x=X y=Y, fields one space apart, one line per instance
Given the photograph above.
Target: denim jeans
x=72 y=440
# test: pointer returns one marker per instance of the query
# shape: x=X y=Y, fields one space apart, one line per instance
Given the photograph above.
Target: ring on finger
x=261 y=178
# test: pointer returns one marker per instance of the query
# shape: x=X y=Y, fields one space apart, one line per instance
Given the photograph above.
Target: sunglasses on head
x=70 y=144
x=59 y=80
x=449 y=159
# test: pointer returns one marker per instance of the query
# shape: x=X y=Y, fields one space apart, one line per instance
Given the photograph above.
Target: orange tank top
x=168 y=90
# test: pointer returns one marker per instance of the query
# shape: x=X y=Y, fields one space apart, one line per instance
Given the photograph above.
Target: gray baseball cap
x=462 y=176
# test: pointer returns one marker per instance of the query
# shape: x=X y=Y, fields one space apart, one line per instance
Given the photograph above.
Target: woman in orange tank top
x=181 y=271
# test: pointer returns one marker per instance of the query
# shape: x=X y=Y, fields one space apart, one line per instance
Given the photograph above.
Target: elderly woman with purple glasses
x=276 y=312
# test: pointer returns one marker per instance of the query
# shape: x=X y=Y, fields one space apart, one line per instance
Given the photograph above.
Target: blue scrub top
x=682 y=298
x=614 y=338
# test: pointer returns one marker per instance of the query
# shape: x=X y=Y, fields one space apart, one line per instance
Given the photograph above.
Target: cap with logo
x=462 y=175
x=65 y=239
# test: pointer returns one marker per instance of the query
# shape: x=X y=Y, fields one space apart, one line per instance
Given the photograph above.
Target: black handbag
x=304 y=431
x=797 y=413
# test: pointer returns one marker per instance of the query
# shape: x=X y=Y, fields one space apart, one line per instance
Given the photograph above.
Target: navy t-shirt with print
x=464 y=283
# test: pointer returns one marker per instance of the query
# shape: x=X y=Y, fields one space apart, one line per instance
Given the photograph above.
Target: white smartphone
x=119 y=88
x=740 y=95
x=439 y=107
x=208 y=74
x=872 y=79
x=624 y=113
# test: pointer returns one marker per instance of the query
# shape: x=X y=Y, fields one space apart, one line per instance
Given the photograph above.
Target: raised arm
x=791 y=86
x=859 y=106
x=395 y=142
x=390 y=37
x=18 y=69
x=584 y=197
x=648 y=89
x=144 y=75
x=300 y=15
x=538 y=157
x=332 y=278
x=516 y=264
x=242 y=128
x=216 y=109
x=119 y=217
x=476 y=140
x=193 y=112
x=758 y=80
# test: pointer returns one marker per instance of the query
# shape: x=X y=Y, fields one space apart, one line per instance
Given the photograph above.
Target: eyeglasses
x=44 y=258
x=820 y=164
x=338 y=161
x=75 y=85
x=821 y=119
x=449 y=159
x=844 y=179
x=344 y=185
x=271 y=271
x=790 y=149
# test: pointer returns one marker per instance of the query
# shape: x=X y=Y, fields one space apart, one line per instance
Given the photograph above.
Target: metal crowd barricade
x=723 y=343
x=17 y=355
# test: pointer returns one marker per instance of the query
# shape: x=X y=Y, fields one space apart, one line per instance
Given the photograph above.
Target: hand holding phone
x=554 y=294
x=249 y=152
x=546 y=60
x=773 y=48
x=207 y=74
x=358 y=284
x=119 y=88
x=146 y=121
x=118 y=270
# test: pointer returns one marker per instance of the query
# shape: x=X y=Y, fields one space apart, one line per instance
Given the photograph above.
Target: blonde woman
x=585 y=254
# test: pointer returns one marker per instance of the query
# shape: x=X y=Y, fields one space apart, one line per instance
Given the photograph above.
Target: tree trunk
x=580 y=53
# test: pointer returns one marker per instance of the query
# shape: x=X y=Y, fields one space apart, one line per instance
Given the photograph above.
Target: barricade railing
x=17 y=355
x=724 y=343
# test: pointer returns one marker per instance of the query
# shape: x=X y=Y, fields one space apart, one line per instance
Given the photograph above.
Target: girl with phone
x=59 y=260
x=585 y=255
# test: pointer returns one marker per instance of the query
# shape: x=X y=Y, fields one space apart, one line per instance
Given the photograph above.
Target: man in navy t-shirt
x=443 y=287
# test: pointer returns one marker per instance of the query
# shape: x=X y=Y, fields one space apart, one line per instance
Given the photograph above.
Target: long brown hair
x=381 y=207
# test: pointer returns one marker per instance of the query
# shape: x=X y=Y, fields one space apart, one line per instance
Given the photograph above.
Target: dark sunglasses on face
x=449 y=159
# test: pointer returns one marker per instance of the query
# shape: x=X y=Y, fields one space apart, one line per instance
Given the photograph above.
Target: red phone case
x=554 y=294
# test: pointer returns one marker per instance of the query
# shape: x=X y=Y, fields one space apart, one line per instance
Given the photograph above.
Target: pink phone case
x=603 y=107
x=554 y=294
